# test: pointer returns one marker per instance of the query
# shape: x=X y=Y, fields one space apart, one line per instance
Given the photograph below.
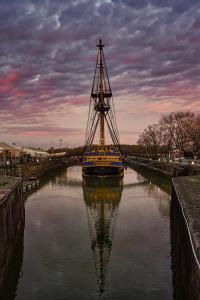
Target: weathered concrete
x=148 y=167
x=164 y=169
x=35 y=169
x=12 y=218
x=185 y=237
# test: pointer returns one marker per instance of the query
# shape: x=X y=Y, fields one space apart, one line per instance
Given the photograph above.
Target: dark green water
x=96 y=242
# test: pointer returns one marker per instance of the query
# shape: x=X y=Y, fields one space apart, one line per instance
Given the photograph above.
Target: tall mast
x=101 y=111
x=101 y=98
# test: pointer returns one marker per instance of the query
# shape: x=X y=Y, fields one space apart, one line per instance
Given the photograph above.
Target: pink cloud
x=78 y=101
x=132 y=59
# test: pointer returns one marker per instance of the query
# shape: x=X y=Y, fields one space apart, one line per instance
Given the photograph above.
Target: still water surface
x=96 y=241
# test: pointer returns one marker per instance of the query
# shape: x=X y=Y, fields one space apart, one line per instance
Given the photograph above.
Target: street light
x=60 y=140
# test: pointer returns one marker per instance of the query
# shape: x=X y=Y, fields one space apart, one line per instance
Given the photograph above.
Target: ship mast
x=101 y=110
x=101 y=100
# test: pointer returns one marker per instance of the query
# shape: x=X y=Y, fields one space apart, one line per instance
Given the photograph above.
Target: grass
x=4 y=181
x=195 y=180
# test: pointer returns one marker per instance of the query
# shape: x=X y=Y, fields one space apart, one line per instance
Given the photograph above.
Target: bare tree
x=176 y=129
x=151 y=138
x=195 y=134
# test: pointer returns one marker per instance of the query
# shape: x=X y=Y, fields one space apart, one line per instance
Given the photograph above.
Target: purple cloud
x=48 y=51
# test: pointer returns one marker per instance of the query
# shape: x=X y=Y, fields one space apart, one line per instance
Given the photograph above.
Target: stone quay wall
x=164 y=169
x=137 y=165
x=32 y=169
x=185 y=237
x=12 y=220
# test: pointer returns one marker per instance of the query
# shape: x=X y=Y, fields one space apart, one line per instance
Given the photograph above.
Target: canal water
x=97 y=240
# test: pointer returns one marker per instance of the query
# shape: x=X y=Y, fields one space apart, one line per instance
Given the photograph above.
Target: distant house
x=34 y=152
x=59 y=154
x=175 y=153
x=8 y=152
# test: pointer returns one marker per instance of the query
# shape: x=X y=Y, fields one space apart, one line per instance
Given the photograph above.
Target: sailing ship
x=102 y=160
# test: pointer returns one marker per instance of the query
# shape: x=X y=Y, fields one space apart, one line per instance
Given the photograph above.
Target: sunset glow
x=47 y=60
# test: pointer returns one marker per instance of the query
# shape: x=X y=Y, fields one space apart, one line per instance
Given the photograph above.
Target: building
x=8 y=152
x=31 y=152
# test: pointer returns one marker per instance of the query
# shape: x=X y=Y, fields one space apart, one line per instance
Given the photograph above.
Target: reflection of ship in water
x=102 y=202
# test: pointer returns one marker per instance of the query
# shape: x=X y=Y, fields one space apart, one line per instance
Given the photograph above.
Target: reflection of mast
x=102 y=203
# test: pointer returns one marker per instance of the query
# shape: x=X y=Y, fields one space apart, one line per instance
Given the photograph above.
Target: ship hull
x=103 y=171
x=102 y=162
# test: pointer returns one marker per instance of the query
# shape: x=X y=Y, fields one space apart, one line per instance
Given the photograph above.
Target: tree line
x=178 y=131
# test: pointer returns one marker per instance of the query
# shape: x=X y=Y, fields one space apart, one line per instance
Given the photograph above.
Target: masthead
x=100 y=45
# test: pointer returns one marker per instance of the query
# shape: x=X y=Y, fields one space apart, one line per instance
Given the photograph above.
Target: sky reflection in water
x=91 y=241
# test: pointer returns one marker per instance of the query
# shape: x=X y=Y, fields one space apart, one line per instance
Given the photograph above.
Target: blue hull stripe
x=116 y=163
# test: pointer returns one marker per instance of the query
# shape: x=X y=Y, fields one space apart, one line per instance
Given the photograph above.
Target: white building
x=34 y=153
x=8 y=152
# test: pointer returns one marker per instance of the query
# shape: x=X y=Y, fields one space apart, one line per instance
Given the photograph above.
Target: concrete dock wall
x=185 y=238
x=32 y=169
x=148 y=168
x=37 y=169
x=12 y=219
x=166 y=170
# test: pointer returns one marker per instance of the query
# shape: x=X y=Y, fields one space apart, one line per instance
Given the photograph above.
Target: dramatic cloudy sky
x=47 y=58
